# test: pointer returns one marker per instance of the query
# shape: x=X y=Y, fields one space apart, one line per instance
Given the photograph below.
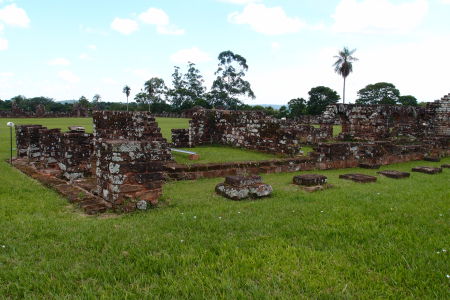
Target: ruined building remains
x=250 y=130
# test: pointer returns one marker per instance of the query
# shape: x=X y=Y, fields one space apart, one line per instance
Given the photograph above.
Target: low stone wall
x=50 y=145
x=26 y=139
x=250 y=130
x=130 y=155
x=76 y=152
x=391 y=122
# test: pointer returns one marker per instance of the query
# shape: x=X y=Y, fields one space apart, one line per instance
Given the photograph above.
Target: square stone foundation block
x=361 y=178
x=310 y=179
x=241 y=181
x=394 y=174
x=427 y=170
x=445 y=166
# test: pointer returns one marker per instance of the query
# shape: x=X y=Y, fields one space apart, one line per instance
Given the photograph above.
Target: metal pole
x=11 y=144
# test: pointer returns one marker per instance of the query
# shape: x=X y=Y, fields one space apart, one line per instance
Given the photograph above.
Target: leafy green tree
x=178 y=95
x=297 y=107
x=83 y=102
x=229 y=84
x=408 y=100
x=155 y=89
x=126 y=90
x=379 y=93
x=96 y=98
x=319 y=98
x=344 y=65
x=194 y=81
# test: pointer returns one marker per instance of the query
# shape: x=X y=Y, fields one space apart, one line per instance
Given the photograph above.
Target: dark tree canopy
x=229 y=84
x=297 y=107
x=408 y=100
x=319 y=98
x=156 y=89
x=188 y=89
x=379 y=93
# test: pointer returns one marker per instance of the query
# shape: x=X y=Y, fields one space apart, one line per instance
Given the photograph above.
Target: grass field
x=389 y=239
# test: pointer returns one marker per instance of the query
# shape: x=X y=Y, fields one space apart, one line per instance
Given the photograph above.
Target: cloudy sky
x=65 y=49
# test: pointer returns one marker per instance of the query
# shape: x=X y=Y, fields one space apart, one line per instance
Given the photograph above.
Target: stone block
x=241 y=187
x=361 y=178
x=241 y=181
x=394 y=174
x=445 y=166
x=427 y=170
x=310 y=179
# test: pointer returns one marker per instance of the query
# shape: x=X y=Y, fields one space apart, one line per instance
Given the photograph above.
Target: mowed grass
x=378 y=240
x=208 y=154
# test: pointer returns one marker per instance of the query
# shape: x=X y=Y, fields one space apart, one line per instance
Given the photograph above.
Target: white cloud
x=92 y=47
x=2 y=27
x=69 y=76
x=124 y=26
x=267 y=20
x=240 y=1
x=194 y=55
x=3 y=44
x=445 y=1
x=84 y=56
x=369 y=16
x=154 y=16
x=170 y=30
x=14 y=16
x=59 y=62
x=158 y=17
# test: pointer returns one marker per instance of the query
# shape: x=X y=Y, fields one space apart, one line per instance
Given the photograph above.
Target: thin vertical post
x=11 y=145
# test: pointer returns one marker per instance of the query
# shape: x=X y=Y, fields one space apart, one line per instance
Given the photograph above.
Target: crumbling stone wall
x=50 y=146
x=131 y=154
x=76 y=152
x=384 y=122
x=27 y=139
x=372 y=152
x=248 y=129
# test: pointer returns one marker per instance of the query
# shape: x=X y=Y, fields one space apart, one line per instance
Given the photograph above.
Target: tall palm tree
x=344 y=65
x=126 y=90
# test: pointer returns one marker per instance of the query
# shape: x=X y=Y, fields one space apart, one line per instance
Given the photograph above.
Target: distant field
x=388 y=239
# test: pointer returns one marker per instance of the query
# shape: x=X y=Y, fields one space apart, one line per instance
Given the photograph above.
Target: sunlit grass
x=388 y=239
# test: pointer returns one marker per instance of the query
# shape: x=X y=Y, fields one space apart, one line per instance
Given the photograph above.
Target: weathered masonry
x=250 y=130
x=123 y=165
x=130 y=156
x=387 y=122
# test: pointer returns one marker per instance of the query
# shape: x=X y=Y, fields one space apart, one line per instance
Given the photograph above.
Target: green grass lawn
x=378 y=240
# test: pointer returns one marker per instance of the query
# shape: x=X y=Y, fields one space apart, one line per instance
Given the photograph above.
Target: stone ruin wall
x=250 y=130
x=391 y=122
x=127 y=154
x=130 y=153
x=71 y=151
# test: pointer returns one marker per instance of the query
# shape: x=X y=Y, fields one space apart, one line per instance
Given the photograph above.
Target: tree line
x=228 y=91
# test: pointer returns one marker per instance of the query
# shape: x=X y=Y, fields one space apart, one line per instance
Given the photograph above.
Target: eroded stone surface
x=427 y=170
x=241 y=187
x=394 y=174
x=361 y=178
x=446 y=166
x=310 y=179
x=432 y=158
